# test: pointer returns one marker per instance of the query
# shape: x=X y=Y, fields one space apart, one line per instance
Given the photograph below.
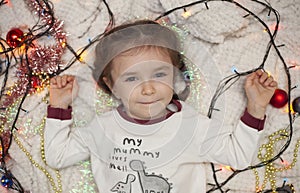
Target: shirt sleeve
x=64 y=145
x=58 y=113
x=231 y=144
x=253 y=122
x=235 y=148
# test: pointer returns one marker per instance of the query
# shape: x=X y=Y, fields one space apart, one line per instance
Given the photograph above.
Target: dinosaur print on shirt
x=124 y=187
x=150 y=183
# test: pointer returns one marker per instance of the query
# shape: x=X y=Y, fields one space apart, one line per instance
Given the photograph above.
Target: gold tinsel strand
x=271 y=170
x=56 y=188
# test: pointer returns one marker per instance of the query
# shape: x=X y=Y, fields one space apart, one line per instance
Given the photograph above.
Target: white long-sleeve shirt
x=161 y=156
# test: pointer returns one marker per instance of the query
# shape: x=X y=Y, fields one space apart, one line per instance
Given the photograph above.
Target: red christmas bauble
x=296 y=105
x=279 y=98
x=14 y=37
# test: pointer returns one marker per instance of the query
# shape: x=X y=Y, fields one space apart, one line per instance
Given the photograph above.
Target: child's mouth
x=149 y=102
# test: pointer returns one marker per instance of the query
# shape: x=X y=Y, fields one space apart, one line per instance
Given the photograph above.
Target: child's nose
x=148 y=88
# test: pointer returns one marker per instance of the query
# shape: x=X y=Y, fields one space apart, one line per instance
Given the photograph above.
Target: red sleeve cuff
x=252 y=121
x=58 y=113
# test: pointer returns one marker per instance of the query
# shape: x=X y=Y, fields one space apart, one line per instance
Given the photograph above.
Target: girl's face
x=143 y=82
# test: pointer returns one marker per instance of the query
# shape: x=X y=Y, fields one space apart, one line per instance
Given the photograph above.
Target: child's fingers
x=62 y=81
x=65 y=80
x=268 y=81
x=70 y=78
x=274 y=84
x=53 y=81
x=58 y=81
x=263 y=77
x=259 y=72
x=251 y=78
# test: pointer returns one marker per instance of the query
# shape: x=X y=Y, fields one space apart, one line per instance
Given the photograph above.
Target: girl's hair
x=133 y=38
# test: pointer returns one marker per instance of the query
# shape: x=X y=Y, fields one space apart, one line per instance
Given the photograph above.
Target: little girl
x=154 y=141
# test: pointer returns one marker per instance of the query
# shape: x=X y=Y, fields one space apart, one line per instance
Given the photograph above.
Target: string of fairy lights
x=227 y=82
x=23 y=51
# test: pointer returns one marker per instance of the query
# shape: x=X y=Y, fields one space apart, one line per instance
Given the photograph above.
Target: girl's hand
x=259 y=87
x=63 y=89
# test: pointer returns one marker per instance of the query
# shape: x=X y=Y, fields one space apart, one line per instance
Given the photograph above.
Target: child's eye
x=131 y=79
x=160 y=74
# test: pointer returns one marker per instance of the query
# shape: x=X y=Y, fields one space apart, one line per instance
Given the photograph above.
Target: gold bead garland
x=271 y=170
x=56 y=189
